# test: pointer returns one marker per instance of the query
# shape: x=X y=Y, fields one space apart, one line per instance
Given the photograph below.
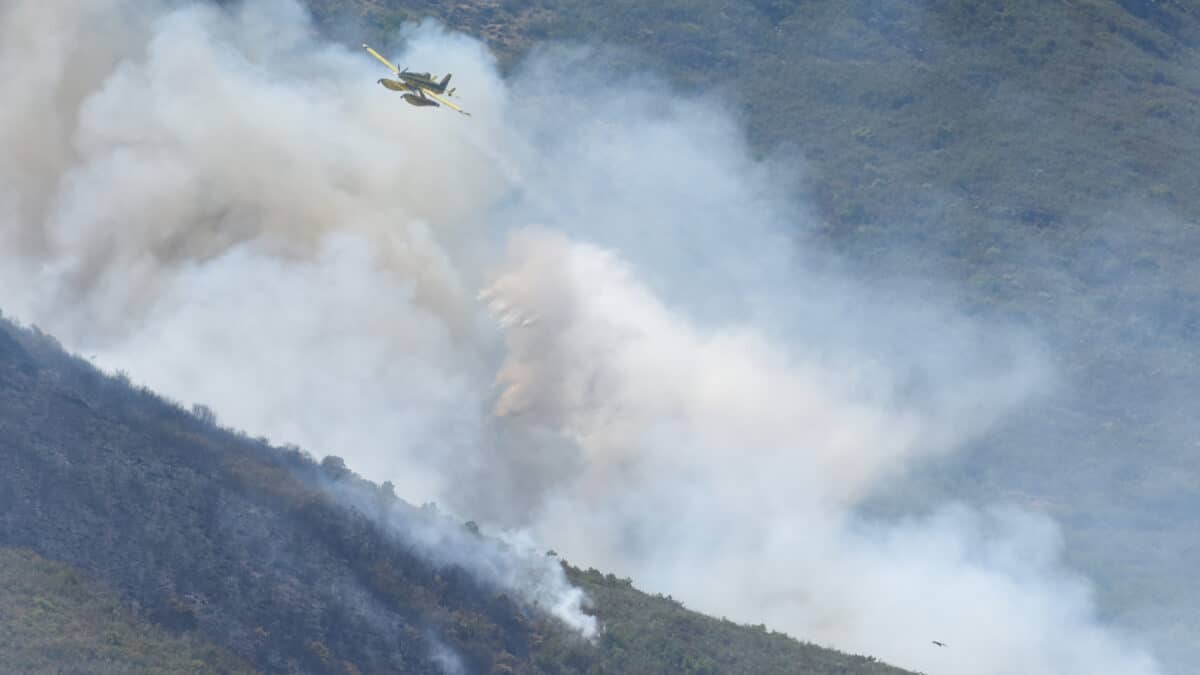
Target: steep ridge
x=132 y=489
x=289 y=563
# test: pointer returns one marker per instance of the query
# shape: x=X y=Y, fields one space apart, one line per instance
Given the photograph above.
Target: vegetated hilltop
x=219 y=545
x=1042 y=157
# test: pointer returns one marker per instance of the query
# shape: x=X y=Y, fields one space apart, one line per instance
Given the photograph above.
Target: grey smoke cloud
x=586 y=313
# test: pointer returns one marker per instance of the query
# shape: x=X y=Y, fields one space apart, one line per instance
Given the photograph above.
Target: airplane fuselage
x=424 y=81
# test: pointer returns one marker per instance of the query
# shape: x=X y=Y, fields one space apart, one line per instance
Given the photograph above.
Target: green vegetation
x=291 y=564
x=56 y=620
x=656 y=634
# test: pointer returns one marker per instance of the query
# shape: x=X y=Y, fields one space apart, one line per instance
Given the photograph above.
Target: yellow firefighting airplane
x=423 y=90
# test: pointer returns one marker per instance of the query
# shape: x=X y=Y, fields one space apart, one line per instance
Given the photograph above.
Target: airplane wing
x=444 y=102
x=387 y=63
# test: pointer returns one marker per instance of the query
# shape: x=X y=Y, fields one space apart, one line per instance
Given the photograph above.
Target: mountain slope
x=293 y=565
x=53 y=619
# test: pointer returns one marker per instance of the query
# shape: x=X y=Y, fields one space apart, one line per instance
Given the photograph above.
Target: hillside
x=210 y=538
x=53 y=619
x=1041 y=158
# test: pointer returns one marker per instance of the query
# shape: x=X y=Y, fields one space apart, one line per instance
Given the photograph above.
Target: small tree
x=388 y=489
x=204 y=413
x=334 y=466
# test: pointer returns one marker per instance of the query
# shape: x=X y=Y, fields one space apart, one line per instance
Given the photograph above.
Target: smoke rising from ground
x=586 y=313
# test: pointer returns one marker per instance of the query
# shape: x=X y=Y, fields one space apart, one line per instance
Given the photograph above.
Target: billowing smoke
x=586 y=314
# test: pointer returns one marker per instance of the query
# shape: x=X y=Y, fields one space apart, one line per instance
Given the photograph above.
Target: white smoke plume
x=585 y=312
x=449 y=662
x=509 y=562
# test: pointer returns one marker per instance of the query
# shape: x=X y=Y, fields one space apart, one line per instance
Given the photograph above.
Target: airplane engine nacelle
x=419 y=100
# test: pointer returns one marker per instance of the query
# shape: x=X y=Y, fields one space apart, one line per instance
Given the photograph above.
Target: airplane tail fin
x=445 y=81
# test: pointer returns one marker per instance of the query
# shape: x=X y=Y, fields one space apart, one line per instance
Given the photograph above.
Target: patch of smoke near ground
x=509 y=562
x=445 y=658
x=585 y=312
